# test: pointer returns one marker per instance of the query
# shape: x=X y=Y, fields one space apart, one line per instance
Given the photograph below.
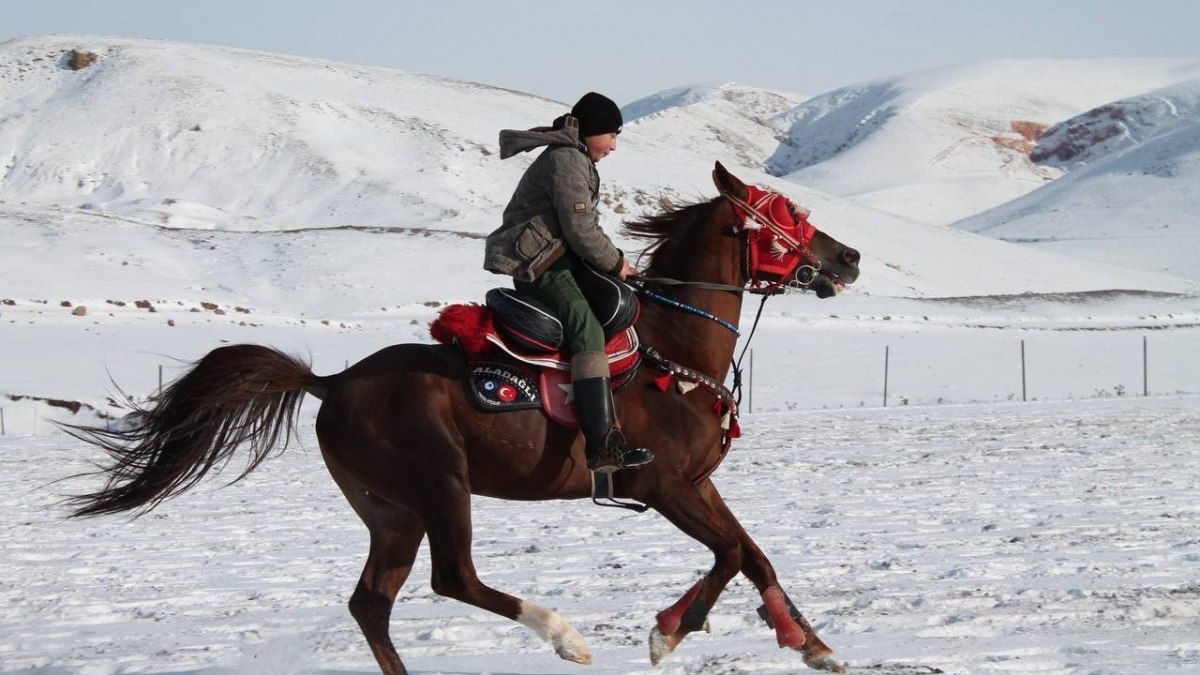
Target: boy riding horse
x=550 y=231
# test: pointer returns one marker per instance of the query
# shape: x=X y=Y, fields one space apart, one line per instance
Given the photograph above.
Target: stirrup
x=628 y=462
x=602 y=494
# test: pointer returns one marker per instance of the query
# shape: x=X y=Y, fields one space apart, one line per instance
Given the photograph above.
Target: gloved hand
x=627 y=270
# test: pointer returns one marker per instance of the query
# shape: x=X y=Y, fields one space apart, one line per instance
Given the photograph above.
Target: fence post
x=3 y=431
x=886 y=355
x=1023 y=397
x=1145 y=369
x=160 y=379
x=750 y=392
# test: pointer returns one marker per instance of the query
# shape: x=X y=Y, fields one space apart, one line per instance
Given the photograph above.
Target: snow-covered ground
x=172 y=198
x=1050 y=537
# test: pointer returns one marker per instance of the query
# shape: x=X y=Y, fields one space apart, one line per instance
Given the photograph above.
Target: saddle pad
x=499 y=387
x=558 y=397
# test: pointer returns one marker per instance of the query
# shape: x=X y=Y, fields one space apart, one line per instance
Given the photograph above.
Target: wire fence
x=852 y=369
x=922 y=369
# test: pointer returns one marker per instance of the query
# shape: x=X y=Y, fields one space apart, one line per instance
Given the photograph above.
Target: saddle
x=514 y=346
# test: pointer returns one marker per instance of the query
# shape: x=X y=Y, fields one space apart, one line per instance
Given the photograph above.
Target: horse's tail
x=235 y=394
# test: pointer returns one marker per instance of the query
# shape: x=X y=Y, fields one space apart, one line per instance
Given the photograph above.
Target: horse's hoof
x=567 y=641
x=571 y=647
x=661 y=645
x=826 y=663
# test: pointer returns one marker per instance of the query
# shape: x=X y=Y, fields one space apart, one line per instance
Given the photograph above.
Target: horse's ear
x=727 y=183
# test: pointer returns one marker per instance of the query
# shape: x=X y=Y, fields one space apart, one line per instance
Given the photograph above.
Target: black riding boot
x=606 y=448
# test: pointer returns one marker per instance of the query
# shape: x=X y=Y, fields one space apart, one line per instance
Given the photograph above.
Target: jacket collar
x=515 y=141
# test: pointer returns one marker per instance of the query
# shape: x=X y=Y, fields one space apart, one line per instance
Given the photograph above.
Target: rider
x=549 y=231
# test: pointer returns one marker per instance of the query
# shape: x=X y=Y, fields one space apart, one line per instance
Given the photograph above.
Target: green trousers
x=559 y=291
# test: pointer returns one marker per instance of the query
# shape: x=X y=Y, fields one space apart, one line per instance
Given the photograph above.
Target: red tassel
x=718 y=407
x=735 y=429
x=663 y=383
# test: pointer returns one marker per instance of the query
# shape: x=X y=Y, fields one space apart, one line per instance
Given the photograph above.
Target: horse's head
x=782 y=248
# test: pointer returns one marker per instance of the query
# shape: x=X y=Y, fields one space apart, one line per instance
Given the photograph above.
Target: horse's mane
x=663 y=229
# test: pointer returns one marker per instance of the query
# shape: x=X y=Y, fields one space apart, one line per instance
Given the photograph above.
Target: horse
x=402 y=440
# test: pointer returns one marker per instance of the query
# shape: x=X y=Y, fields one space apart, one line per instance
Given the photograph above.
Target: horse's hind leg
x=447 y=516
x=396 y=534
x=394 y=545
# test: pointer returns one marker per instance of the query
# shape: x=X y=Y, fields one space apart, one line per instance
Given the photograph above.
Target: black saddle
x=531 y=326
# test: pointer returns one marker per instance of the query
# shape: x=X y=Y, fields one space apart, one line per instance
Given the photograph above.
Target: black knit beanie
x=597 y=114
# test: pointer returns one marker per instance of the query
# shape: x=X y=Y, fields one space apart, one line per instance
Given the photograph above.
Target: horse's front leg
x=709 y=520
x=777 y=609
x=689 y=508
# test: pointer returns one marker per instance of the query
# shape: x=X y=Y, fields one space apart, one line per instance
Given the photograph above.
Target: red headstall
x=777 y=238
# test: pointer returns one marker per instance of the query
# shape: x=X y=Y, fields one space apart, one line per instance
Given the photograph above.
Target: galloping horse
x=400 y=436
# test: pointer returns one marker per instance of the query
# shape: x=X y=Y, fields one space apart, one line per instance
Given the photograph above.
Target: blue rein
x=641 y=289
x=689 y=309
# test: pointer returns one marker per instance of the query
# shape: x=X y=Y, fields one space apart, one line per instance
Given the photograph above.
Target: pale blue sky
x=630 y=49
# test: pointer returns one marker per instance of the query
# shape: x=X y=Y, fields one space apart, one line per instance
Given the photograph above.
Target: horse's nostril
x=850 y=256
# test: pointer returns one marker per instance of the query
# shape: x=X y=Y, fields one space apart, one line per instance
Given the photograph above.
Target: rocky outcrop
x=1025 y=138
x=1068 y=140
x=78 y=60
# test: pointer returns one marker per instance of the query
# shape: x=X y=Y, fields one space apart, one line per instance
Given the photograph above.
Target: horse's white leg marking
x=567 y=641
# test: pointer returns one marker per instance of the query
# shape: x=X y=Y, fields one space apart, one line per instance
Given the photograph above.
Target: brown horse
x=403 y=441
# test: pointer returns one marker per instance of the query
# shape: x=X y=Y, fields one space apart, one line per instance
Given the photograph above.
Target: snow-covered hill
x=944 y=144
x=739 y=122
x=157 y=135
x=210 y=137
x=1133 y=167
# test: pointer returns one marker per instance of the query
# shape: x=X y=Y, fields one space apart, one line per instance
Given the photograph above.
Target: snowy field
x=1046 y=537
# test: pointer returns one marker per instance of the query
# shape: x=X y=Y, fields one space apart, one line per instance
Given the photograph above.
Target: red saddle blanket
x=471 y=327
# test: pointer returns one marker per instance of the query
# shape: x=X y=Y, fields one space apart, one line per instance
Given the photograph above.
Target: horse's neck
x=691 y=340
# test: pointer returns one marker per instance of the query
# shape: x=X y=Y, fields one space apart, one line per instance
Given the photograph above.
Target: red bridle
x=778 y=235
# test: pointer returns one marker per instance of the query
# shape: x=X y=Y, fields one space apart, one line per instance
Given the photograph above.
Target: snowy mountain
x=944 y=144
x=1089 y=138
x=209 y=137
x=156 y=135
x=1130 y=189
x=741 y=121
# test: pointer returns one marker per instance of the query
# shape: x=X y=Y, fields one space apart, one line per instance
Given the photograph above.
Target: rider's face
x=600 y=145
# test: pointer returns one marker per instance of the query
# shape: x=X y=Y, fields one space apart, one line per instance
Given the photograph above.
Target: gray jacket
x=553 y=210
